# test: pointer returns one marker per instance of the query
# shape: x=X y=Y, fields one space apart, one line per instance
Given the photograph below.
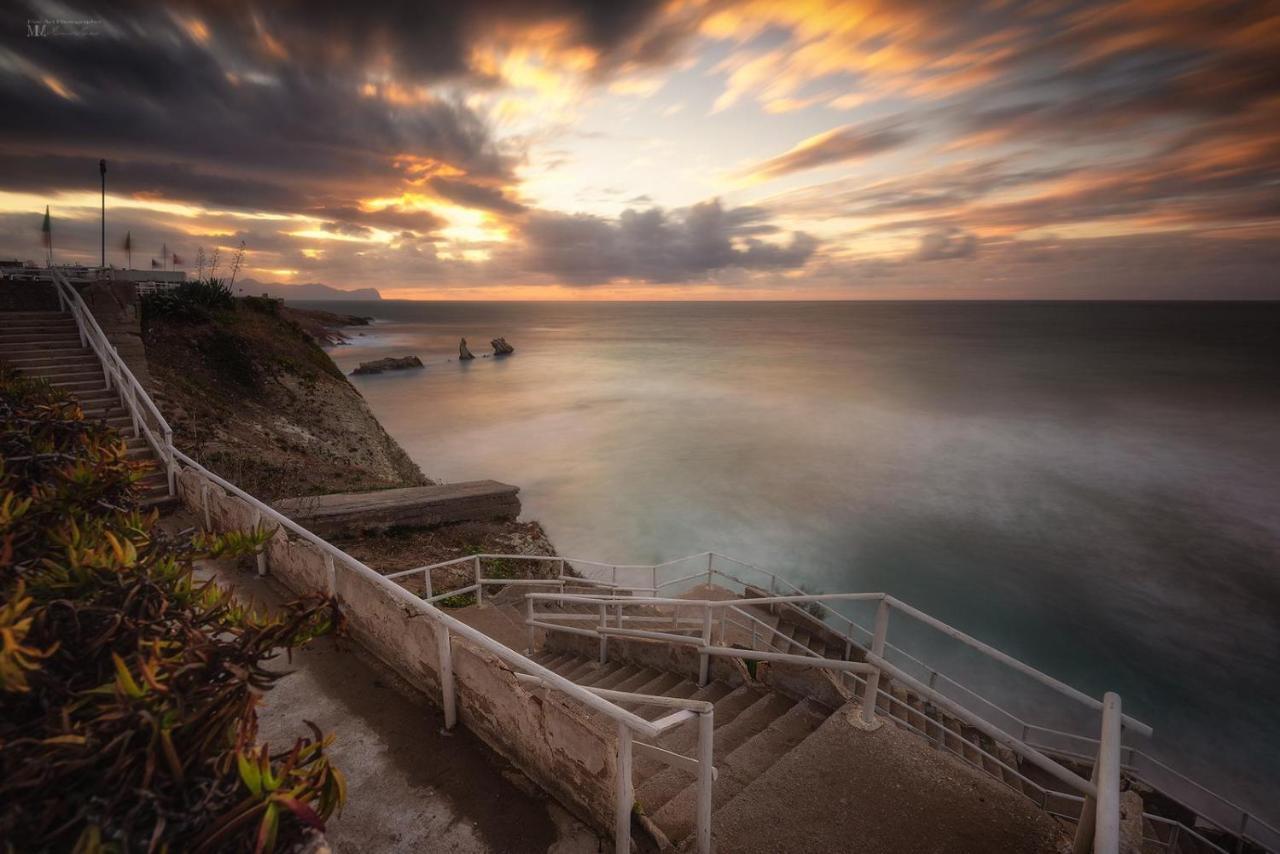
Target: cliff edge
x=251 y=393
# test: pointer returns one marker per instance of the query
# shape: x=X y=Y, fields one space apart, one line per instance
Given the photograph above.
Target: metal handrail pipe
x=74 y=299
x=587 y=598
x=555 y=627
x=632 y=697
x=461 y=591
x=631 y=720
x=788 y=658
x=680 y=580
x=1008 y=660
x=642 y=633
x=1026 y=751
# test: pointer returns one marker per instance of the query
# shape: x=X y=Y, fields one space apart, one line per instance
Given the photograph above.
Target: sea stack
x=463 y=352
x=501 y=347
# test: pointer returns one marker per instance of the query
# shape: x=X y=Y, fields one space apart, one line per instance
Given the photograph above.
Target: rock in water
x=501 y=347
x=388 y=364
x=463 y=352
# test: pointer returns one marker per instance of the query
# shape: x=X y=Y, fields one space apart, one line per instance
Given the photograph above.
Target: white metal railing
x=145 y=417
x=716 y=611
x=1210 y=808
x=141 y=409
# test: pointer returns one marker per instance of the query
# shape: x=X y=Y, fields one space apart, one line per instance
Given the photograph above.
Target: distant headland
x=313 y=290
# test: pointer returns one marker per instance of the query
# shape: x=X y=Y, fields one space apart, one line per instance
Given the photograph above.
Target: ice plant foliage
x=128 y=687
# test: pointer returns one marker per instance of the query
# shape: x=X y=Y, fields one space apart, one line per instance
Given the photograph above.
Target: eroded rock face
x=463 y=352
x=501 y=347
x=390 y=363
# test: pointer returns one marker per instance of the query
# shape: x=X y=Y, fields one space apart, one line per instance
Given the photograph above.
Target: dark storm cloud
x=263 y=105
x=655 y=246
x=475 y=195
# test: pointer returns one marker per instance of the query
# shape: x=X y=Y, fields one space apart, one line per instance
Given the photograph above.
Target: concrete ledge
x=416 y=506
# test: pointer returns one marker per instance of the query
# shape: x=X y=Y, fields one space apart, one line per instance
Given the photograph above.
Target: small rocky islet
x=400 y=363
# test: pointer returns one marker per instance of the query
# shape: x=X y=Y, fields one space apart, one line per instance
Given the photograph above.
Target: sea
x=1093 y=488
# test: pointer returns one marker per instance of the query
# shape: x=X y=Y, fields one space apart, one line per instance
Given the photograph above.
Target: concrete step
x=18 y=339
x=656 y=792
x=35 y=324
x=739 y=765
x=57 y=371
x=17 y=353
x=84 y=356
x=79 y=387
x=660 y=782
x=7 y=316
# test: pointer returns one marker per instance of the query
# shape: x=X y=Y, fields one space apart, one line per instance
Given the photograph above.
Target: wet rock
x=463 y=352
x=390 y=363
x=501 y=347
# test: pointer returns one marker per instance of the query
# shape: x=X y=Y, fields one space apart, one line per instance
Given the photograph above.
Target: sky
x=692 y=149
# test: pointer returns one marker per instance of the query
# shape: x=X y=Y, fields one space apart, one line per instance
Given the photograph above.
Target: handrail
x=137 y=398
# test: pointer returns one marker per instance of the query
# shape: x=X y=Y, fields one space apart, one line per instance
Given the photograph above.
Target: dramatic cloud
x=497 y=144
x=834 y=146
x=654 y=246
x=947 y=244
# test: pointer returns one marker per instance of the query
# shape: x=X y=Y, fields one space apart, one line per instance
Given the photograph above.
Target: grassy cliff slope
x=251 y=394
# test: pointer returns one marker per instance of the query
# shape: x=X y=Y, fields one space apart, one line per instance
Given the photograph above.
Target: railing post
x=560 y=566
x=604 y=639
x=426 y=583
x=704 y=658
x=872 y=686
x=262 y=551
x=528 y=621
x=330 y=575
x=618 y=614
x=626 y=794
x=710 y=557
x=204 y=503
x=445 y=653
x=706 y=728
x=1098 y=831
x=479 y=586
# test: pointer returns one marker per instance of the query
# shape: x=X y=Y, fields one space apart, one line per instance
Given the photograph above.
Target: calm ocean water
x=1093 y=488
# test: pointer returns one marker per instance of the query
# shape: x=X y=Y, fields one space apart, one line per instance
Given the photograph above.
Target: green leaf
x=249 y=774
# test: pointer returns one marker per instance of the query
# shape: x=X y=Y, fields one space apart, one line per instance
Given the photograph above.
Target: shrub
x=128 y=687
x=194 y=300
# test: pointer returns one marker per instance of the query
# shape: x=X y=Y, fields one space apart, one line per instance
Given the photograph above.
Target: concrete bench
x=416 y=506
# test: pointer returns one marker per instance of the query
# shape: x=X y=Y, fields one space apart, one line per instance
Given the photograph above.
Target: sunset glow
x=687 y=149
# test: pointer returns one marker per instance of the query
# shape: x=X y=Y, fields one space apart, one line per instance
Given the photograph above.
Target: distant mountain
x=252 y=287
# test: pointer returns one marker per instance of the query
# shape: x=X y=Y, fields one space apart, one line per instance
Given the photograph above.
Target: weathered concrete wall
x=116 y=307
x=550 y=737
x=419 y=506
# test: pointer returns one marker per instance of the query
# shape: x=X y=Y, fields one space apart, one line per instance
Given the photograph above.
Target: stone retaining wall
x=548 y=736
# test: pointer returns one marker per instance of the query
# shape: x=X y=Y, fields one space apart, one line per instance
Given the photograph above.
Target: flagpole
x=102 y=167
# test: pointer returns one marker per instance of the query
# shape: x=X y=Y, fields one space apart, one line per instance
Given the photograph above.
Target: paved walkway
x=410 y=788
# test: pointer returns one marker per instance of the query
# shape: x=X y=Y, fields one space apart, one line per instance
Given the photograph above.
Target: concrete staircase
x=754 y=729
x=46 y=344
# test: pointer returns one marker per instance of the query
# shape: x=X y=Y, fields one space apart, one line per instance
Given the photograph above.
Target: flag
x=46 y=230
x=155 y=265
x=177 y=260
x=128 y=241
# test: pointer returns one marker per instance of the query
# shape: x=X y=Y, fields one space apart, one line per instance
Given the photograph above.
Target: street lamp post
x=102 y=167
